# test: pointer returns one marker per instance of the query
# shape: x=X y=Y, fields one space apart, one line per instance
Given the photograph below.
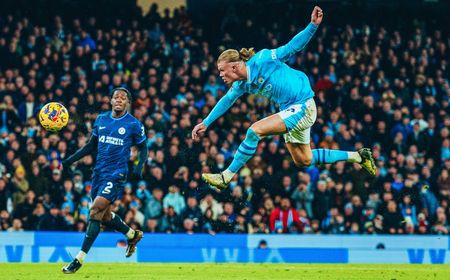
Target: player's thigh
x=300 y=153
x=271 y=125
x=107 y=216
x=98 y=209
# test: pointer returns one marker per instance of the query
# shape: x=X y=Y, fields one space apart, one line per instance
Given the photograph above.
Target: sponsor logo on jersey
x=102 y=127
x=111 y=140
x=122 y=131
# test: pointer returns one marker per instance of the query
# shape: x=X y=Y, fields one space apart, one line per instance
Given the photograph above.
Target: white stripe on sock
x=228 y=175
x=354 y=157
x=130 y=233
x=80 y=256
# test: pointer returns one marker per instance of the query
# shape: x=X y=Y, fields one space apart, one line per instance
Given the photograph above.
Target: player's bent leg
x=116 y=223
x=271 y=125
x=364 y=157
x=299 y=119
x=303 y=156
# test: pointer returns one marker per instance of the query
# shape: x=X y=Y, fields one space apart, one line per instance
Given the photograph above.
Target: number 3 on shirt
x=142 y=131
x=107 y=190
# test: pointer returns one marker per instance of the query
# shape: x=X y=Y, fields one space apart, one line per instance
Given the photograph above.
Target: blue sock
x=245 y=151
x=323 y=156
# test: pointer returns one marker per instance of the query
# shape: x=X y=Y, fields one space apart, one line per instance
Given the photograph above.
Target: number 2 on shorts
x=107 y=190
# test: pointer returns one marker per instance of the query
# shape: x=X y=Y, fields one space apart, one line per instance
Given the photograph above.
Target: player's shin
x=244 y=153
x=93 y=229
x=116 y=223
x=326 y=156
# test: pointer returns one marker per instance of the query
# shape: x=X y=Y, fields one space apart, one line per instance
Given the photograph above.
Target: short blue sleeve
x=95 y=127
x=139 y=134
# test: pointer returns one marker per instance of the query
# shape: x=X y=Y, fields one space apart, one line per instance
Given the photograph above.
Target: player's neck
x=243 y=73
x=117 y=115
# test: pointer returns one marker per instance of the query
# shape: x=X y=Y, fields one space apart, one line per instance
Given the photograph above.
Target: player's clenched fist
x=317 y=15
x=198 y=131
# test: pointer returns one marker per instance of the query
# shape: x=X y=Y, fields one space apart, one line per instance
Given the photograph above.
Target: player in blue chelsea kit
x=112 y=136
x=266 y=73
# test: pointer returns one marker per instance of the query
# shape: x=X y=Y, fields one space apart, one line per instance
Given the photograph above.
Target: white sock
x=130 y=233
x=80 y=256
x=228 y=175
x=354 y=157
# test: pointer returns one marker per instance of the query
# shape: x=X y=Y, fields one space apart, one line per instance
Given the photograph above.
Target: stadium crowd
x=376 y=86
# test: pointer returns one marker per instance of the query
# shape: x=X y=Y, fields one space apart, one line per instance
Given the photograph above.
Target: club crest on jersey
x=274 y=54
x=122 y=131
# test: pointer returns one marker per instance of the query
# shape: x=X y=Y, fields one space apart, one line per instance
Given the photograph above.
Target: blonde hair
x=232 y=55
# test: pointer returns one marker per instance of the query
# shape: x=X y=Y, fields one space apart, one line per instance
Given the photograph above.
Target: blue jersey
x=115 y=138
x=268 y=75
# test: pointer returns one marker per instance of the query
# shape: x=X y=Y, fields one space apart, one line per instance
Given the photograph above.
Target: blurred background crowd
x=379 y=82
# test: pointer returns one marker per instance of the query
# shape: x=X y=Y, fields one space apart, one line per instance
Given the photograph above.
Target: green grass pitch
x=233 y=271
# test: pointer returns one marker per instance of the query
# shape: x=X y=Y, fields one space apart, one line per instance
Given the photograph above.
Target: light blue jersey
x=268 y=75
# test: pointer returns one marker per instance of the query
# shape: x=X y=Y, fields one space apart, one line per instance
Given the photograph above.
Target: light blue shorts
x=298 y=119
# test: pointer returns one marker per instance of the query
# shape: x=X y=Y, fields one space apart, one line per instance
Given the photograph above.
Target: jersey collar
x=249 y=75
x=116 y=119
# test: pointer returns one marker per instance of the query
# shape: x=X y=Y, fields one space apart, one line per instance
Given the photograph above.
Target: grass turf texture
x=224 y=271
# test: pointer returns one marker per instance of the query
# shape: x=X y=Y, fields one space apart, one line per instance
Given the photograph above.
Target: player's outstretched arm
x=87 y=149
x=143 y=154
x=221 y=107
x=301 y=39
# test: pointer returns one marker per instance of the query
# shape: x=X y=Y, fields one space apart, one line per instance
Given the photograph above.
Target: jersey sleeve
x=139 y=134
x=296 y=44
x=224 y=104
x=95 y=127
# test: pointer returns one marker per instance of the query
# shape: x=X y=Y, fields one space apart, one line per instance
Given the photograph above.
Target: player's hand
x=198 y=131
x=317 y=15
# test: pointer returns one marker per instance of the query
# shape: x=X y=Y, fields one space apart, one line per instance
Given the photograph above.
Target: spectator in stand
x=283 y=217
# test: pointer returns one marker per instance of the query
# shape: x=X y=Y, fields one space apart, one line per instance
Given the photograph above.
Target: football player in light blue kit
x=265 y=73
x=112 y=136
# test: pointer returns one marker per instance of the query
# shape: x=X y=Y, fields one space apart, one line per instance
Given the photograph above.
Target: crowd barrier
x=109 y=247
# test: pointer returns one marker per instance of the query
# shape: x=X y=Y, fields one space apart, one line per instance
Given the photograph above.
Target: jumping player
x=112 y=136
x=265 y=73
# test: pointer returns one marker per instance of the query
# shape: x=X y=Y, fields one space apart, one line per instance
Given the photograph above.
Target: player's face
x=228 y=72
x=119 y=101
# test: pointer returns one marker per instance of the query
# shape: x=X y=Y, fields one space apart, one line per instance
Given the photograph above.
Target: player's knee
x=255 y=132
x=107 y=217
x=96 y=213
x=303 y=161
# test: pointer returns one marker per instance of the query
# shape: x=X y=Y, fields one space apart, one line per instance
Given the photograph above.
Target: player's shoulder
x=132 y=120
x=103 y=116
x=264 y=55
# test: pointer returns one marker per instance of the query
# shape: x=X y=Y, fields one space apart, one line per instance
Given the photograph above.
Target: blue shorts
x=110 y=187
